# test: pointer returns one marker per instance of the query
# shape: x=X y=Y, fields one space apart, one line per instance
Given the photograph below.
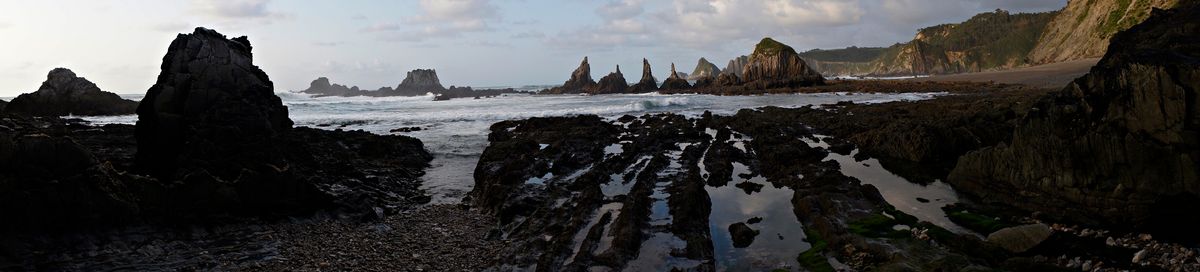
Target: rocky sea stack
x=63 y=93
x=613 y=83
x=322 y=87
x=675 y=81
x=420 y=81
x=704 y=69
x=648 y=83
x=736 y=65
x=776 y=65
x=1118 y=146
x=581 y=81
x=213 y=122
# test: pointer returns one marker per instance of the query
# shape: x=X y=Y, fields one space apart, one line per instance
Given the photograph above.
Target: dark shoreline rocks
x=1115 y=147
x=63 y=94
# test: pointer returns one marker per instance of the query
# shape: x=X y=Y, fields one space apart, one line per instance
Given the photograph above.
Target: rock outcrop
x=1020 y=238
x=1083 y=28
x=420 y=82
x=775 y=65
x=322 y=87
x=580 y=82
x=214 y=132
x=1118 y=146
x=704 y=69
x=613 y=83
x=3 y=104
x=648 y=83
x=736 y=65
x=728 y=79
x=675 y=81
x=63 y=93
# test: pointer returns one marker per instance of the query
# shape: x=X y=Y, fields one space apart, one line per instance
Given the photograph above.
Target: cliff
x=704 y=69
x=1118 y=146
x=774 y=64
x=736 y=65
x=1083 y=28
x=988 y=41
x=64 y=93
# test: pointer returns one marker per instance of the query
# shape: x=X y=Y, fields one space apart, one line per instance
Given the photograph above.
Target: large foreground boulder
x=1118 y=146
x=776 y=65
x=63 y=93
x=213 y=123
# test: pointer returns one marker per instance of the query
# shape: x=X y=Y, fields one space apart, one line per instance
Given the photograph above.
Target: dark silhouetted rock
x=1117 y=146
x=776 y=65
x=580 y=82
x=742 y=234
x=675 y=81
x=3 y=104
x=612 y=83
x=322 y=87
x=648 y=83
x=704 y=69
x=420 y=81
x=63 y=93
x=210 y=102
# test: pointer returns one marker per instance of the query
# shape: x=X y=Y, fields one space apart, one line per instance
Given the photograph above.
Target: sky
x=119 y=44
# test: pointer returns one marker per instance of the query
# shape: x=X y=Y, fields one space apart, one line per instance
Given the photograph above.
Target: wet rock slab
x=657 y=192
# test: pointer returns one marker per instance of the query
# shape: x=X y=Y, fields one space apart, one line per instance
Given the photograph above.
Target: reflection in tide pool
x=780 y=237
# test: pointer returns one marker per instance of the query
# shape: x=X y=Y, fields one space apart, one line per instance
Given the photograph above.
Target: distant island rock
x=648 y=83
x=580 y=82
x=418 y=82
x=613 y=83
x=64 y=93
x=704 y=69
x=675 y=81
x=774 y=65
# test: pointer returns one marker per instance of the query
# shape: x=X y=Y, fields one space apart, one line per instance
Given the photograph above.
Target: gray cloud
x=441 y=19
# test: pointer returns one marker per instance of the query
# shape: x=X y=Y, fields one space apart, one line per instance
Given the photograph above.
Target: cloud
x=4 y=25
x=442 y=19
x=328 y=44
x=709 y=25
x=238 y=11
x=532 y=34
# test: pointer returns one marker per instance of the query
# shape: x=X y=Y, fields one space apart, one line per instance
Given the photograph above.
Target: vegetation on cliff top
x=770 y=46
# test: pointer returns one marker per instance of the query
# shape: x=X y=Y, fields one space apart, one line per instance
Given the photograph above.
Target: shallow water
x=455 y=131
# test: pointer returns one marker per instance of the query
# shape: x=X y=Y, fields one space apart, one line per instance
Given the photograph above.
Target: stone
x=64 y=93
x=1117 y=146
x=420 y=81
x=704 y=69
x=776 y=65
x=210 y=102
x=613 y=83
x=580 y=82
x=742 y=234
x=675 y=81
x=736 y=66
x=1020 y=238
x=648 y=83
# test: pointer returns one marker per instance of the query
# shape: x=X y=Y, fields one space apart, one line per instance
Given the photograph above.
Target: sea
x=455 y=131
